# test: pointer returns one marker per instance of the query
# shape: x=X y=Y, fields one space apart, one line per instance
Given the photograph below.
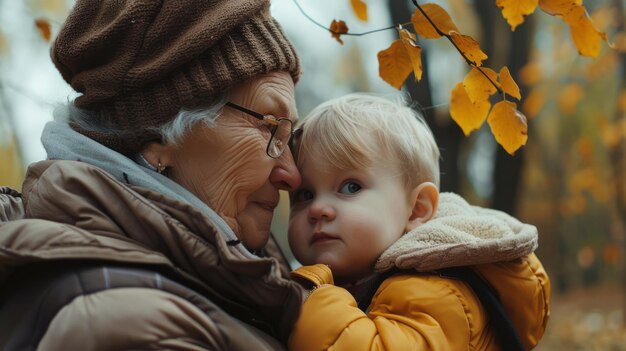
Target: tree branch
x=469 y=63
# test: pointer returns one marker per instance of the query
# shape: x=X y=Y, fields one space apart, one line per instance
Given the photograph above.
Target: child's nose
x=321 y=210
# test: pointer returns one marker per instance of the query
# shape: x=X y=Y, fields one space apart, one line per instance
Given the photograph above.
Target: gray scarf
x=63 y=143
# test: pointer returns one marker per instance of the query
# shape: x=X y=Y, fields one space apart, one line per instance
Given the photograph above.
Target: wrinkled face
x=227 y=167
x=346 y=219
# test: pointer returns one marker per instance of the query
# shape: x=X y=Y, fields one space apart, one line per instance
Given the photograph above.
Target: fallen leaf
x=508 y=83
x=533 y=103
x=469 y=47
x=508 y=125
x=400 y=59
x=477 y=86
x=44 y=28
x=438 y=16
x=468 y=115
x=515 y=10
x=569 y=97
x=337 y=28
x=360 y=9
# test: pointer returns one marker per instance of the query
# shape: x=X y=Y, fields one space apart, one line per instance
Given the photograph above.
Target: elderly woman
x=146 y=226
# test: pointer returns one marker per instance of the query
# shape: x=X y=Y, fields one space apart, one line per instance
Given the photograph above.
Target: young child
x=369 y=220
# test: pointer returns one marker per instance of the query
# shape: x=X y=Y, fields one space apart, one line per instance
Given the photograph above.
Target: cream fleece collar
x=460 y=235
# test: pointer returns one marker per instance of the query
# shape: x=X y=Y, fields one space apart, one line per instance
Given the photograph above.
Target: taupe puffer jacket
x=90 y=263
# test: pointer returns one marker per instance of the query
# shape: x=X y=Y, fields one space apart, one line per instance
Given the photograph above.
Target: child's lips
x=321 y=237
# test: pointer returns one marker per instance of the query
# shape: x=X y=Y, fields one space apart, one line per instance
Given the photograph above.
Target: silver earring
x=160 y=168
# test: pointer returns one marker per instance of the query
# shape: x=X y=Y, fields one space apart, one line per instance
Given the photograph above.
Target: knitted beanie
x=138 y=62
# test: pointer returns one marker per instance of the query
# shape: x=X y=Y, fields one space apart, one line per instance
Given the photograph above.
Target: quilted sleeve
x=142 y=319
x=407 y=313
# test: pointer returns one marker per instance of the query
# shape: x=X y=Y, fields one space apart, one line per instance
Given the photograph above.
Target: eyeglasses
x=281 y=130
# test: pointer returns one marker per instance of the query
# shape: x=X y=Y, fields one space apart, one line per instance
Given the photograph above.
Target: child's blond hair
x=354 y=130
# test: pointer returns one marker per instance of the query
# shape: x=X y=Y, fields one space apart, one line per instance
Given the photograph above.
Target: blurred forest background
x=569 y=180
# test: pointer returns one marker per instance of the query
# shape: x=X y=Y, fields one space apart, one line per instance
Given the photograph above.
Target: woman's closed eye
x=350 y=187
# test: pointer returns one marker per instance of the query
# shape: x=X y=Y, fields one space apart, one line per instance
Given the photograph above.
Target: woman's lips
x=320 y=238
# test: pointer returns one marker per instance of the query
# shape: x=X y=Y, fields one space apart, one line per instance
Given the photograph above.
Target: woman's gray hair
x=185 y=120
x=171 y=132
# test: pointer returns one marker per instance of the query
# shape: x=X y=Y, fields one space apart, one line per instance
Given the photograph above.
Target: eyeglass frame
x=273 y=121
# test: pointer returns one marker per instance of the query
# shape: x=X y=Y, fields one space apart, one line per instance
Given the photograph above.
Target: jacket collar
x=460 y=235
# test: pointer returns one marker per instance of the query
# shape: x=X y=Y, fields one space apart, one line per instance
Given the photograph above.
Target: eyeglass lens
x=280 y=138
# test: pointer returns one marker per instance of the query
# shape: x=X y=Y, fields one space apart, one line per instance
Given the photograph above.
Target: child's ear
x=424 y=199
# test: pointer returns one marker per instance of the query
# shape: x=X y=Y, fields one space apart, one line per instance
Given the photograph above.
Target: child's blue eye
x=301 y=195
x=350 y=188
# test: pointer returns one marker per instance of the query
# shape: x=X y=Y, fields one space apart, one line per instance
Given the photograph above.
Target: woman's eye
x=301 y=195
x=350 y=188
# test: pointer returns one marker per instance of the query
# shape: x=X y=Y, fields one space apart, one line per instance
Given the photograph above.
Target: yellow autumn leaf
x=581 y=180
x=477 y=86
x=438 y=16
x=586 y=38
x=469 y=47
x=569 y=97
x=360 y=9
x=515 y=10
x=610 y=137
x=558 y=7
x=584 y=34
x=44 y=28
x=584 y=146
x=533 y=103
x=531 y=73
x=400 y=59
x=414 y=51
x=508 y=125
x=508 y=83
x=469 y=116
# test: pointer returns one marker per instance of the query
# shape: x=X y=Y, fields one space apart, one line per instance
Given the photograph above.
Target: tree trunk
x=618 y=159
x=508 y=169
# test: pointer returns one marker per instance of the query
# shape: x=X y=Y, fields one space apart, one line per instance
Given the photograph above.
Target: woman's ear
x=424 y=199
x=156 y=153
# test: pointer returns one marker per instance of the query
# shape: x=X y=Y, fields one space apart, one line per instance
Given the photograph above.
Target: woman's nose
x=320 y=209
x=286 y=175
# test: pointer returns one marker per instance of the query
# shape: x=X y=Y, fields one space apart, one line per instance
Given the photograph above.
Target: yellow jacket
x=424 y=311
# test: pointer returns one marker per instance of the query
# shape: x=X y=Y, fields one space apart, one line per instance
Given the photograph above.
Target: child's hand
x=312 y=277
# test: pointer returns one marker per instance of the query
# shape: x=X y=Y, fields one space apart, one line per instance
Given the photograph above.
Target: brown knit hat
x=138 y=62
